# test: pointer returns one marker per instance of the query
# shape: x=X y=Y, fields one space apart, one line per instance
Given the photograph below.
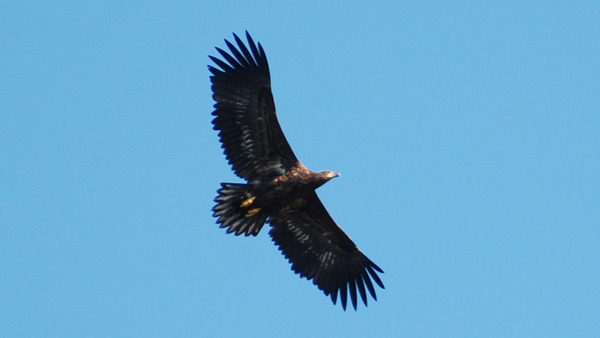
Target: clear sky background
x=467 y=135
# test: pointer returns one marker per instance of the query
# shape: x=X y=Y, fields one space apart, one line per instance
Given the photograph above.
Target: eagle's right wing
x=245 y=116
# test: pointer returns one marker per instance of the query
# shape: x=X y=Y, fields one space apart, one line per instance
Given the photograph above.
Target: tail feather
x=235 y=212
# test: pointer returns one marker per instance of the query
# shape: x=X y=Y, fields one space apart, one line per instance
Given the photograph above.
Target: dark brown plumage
x=280 y=190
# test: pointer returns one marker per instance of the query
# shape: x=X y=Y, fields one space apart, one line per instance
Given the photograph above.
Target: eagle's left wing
x=320 y=250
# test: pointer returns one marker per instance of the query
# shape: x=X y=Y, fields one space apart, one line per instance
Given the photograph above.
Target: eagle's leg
x=248 y=201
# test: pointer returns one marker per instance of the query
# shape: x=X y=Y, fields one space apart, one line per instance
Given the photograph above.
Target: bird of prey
x=279 y=189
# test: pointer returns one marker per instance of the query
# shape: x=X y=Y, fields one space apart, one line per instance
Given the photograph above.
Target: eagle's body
x=280 y=190
x=288 y=188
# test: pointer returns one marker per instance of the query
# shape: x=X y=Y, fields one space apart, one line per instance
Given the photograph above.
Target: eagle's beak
x=333 y=174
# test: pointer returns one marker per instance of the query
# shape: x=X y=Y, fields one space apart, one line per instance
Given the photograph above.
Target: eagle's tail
x=235 y=210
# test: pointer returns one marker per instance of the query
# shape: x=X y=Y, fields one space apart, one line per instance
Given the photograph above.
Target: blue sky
x=467 y=135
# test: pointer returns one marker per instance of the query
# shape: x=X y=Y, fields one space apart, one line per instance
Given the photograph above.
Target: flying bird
x=279 y=189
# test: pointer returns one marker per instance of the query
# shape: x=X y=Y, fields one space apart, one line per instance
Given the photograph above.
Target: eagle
x=279 y=189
